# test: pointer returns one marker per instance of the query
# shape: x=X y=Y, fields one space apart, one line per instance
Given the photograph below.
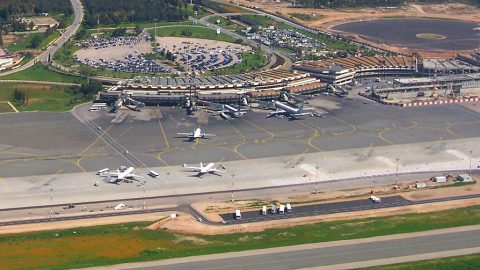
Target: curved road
x=50 y=51
x=287 y=62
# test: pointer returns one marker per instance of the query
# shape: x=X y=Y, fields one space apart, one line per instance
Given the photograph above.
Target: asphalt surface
x=56 y=143
x=50 y=51
x=377 y=251
x=459 y=35
x=336 y=207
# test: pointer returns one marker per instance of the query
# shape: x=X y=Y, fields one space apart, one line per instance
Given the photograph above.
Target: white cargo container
x=375 y=199
x=289 y=208
x=238 y=215
x=420 y=185
x=281 y=210
x=440 y=179
x=264 y=210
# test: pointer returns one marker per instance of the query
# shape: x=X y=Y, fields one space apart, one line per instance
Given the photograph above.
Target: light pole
x=233 y=184
x=316 y=179
x=51 y=203
x=471 y=152
x=396 y=173
x=144 y=200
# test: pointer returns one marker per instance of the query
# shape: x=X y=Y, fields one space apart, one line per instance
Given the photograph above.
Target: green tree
x=35 y=42
x=91 y=88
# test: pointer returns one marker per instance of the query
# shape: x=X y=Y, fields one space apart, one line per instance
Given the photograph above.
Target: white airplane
x=228 y=111
x=197 y=133
x=209 y=168
x=121 y=175
x=292 y=112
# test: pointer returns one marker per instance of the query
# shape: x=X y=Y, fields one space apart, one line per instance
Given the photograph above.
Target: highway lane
x=347 y=254
x=54 y=47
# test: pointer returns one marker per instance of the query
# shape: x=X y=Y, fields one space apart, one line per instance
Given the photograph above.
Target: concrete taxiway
x=45 y=154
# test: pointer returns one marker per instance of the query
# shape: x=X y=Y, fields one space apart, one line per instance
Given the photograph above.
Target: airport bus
x=153 y=174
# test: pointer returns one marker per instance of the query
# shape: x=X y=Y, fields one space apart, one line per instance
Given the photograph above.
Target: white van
x=119 y=206
x=273 y=210
x=289 y=208
x=238 y=215
x=281 y=210
x=264 y=210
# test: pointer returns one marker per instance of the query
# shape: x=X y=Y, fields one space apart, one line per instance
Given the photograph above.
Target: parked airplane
x=121 y=175
x=228 y=111
x=292 y=112
x=197 y=133
x=209 y=168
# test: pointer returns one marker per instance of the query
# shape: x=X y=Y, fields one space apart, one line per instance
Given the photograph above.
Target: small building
x=420 y=185
x=464 y=178
x=439 y=179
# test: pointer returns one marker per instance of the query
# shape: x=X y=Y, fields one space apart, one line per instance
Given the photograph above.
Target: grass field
x=224 y=23
x=469 y=262
x=306 y=17
x=192 y=32
x=41 y=97
x=91 y=246
x=41 y=73
x=24 y=41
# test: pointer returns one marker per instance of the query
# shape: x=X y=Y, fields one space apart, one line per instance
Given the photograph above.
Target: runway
x=348 y=254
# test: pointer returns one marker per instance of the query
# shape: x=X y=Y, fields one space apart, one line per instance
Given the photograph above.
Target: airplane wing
x=193 y=168
x=209 y=135
x=134 y=176
x=217 y=170
x=189 y=135
x=277 y=112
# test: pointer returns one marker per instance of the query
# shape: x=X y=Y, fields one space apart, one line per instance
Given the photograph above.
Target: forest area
x=108 y=12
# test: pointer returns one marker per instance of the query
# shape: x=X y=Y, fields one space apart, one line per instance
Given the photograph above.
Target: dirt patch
x=190 y=238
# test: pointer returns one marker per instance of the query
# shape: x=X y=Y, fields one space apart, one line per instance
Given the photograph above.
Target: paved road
x=287 y=62
x=348 y=254
x=50 y=51
x=336 y=207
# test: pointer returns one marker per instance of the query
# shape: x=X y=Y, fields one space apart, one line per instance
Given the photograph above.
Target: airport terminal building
x=264 y=85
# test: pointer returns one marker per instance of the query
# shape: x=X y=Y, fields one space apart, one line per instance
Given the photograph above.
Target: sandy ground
x=117 y=52
x=179 y=45
x=328 y=18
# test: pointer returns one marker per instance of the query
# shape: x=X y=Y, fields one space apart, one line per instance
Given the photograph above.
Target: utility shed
x=465 y=177
x=439 y=179
x=420 y=185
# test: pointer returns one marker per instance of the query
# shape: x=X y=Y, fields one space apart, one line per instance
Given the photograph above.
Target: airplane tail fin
x=201 y=165
x=300 y=108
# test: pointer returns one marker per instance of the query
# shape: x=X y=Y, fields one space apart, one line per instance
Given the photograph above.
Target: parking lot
x=202 y=54
x=316 y=209
x=125 y=54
